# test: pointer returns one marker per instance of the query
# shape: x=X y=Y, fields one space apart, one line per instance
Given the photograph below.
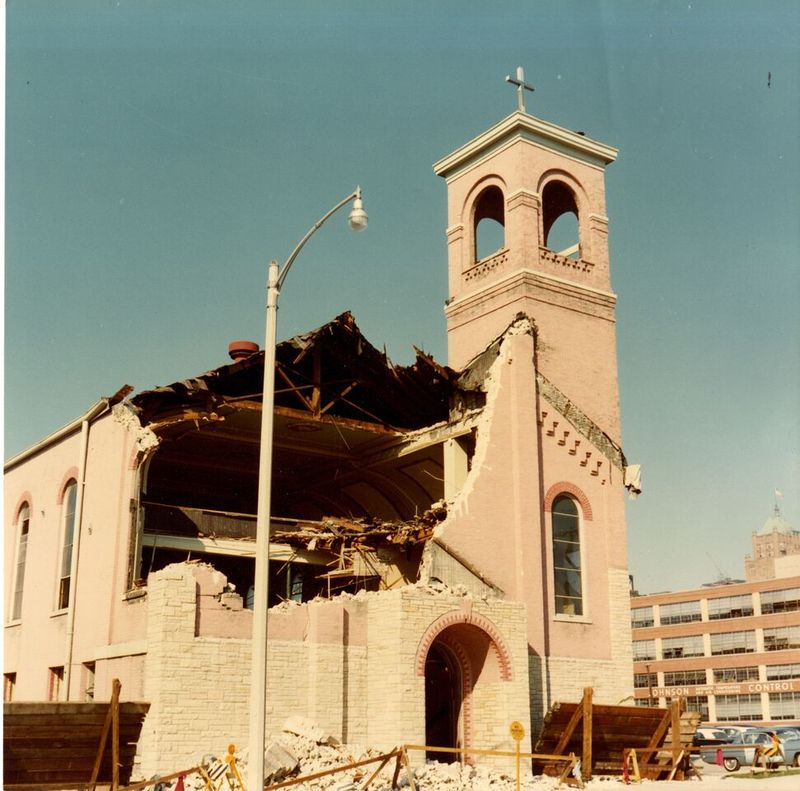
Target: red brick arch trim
x=564 y=487
x=467 y=682
x=455 y=618
x=26 y=498
x=70 y=475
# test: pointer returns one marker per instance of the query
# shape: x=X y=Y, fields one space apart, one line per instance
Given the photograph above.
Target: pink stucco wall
x=39 y=640
x=498 y=522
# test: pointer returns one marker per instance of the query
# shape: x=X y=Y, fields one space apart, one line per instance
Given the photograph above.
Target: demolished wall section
x=352 y=665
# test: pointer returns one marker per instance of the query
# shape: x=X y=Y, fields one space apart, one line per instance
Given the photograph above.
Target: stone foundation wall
x=356 y=670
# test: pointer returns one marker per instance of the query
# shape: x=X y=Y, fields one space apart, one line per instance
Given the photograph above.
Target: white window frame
x=585 y=616
x=70 y=490
x=18 y=585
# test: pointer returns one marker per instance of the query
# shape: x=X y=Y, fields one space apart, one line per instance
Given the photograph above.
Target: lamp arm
x=311 y=231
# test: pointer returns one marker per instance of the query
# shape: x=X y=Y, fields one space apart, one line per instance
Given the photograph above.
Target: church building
x=448 y=544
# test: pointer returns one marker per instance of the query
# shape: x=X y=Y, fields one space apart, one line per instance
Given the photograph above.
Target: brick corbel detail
x=565 y=487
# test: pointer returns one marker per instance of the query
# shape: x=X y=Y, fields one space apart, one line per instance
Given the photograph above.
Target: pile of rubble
x=303 y=749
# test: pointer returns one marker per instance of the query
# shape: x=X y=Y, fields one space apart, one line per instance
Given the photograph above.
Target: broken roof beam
x=409 y=443
x=243 y=548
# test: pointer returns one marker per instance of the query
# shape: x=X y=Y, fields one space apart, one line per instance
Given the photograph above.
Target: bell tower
x=528 y=178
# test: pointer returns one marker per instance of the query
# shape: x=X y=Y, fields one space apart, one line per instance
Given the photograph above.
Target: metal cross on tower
x=522 y=86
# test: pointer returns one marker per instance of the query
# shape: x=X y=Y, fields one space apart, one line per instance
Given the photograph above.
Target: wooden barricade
x=66 y=745
x=603 y=736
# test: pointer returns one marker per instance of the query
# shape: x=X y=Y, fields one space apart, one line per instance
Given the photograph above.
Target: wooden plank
x=48 y=710
x=326 y=772
x=412 y=782
x=568 y=730
x=99 y=759
x=637 y=712
x=35 y=760
x=586 y=753
x=115 y=734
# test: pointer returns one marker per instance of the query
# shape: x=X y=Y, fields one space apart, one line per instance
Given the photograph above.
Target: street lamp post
x=258 y=674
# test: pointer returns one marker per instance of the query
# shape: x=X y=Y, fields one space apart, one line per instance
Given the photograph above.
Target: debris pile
x=303 y=749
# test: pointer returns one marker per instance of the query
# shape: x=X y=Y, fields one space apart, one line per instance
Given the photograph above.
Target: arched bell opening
x=488 y=223
x=560 y=220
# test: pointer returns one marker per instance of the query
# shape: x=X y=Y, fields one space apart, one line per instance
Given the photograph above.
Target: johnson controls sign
x=746 y=688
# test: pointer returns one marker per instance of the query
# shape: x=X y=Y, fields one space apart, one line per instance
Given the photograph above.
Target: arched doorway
x=460 y=654
x=444 y=692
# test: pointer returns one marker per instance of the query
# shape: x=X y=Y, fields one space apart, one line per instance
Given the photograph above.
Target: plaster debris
x=311 y=757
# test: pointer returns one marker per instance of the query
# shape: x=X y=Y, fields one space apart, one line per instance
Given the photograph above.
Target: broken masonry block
x=300 y=726
x=279 y=762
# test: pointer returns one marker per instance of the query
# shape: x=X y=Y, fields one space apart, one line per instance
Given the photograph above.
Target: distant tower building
x=776 y=550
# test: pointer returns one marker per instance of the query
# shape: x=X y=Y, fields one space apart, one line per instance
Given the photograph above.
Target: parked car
x=741 y=750
x=705 y=736
x=786 y=731
x=733 y=730
x=790 y=744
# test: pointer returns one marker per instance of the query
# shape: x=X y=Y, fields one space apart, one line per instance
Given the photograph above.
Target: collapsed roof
x=332 y=370
x=347 y=426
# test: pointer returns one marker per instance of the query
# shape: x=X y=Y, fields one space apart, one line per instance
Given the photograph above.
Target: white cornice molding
x=568 y=287
x=520 y=125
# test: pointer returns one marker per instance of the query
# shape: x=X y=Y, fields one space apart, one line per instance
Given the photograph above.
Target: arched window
x=489 y=223
x=24 y=521
x=560 y=218
x=568 y=584
x=70 y=501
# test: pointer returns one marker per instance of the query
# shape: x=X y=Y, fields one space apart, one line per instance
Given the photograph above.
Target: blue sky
x=158 y=154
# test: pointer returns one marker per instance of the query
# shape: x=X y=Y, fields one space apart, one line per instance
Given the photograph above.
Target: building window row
x=645 y=680
x=641 y=617
x=721 y=608
x=782 y=638
x=644 y=650
x=784 y=705
x=730 y=607
x=682 y=612
x=733 y=643
x=730 y=675
x=780 y=601
x=731 y=708
x=781 y=672
x=682 y=647
x=683 y=678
